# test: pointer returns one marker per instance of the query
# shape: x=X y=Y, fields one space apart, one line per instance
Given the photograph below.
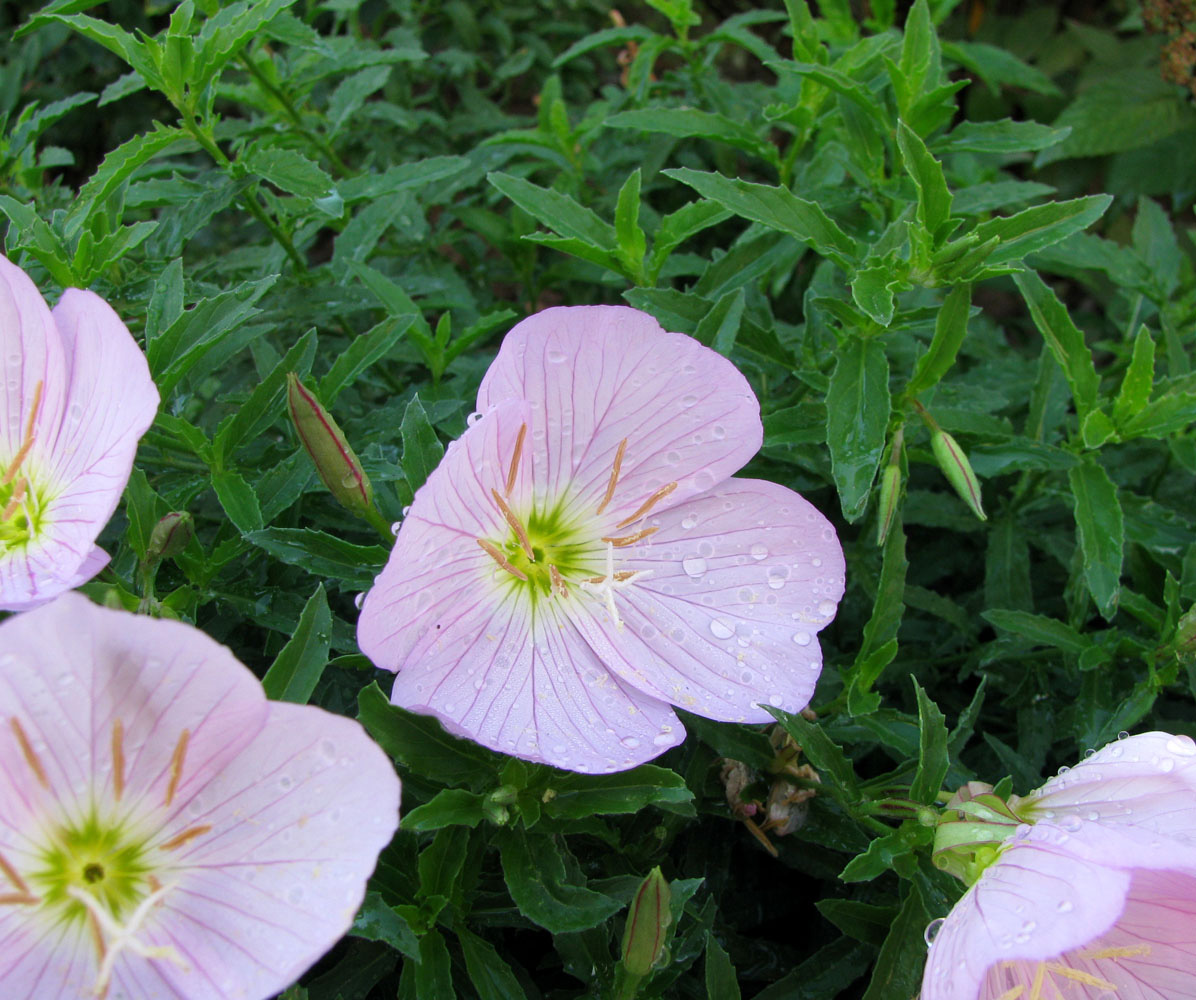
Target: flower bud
x=890 y=493
x=958 y=470
x=974 y=824
x=170 y=536
x=647 y=921
x=338 y=465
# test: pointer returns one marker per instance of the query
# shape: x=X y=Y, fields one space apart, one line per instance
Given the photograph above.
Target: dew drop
x=688 y=400
x=689 y=521
x=826 y=608
x=1123 y=735
x=1089 y=752
x=473 y=418
x=801 y=638
x=359 y=600
x=694 y=566
x=555 y=357
x=758 y=551
x=1166 y=765
x=719 y=431
x=776 y=700
x=662 y=739
x=1065 y=906
x=1182 y=746
x=777 y=576
x=932 y=929
x=720 y=629
x=1063 y=770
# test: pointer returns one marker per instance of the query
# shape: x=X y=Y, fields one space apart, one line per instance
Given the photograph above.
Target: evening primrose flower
x=167 y=832
x=76 y=398
x=1092 y=896
x=580 y=560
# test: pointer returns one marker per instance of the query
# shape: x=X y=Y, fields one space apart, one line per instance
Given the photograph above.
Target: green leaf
x=420 y=743
x=489 y=975
x=722 y=983
x=826 y=973
x=689 y=123
x=1101 y=532
x=287 y=169
x=557 y=211
x=1165 y=416
x=879 y=644
x=719 y=328
x=534 y=870
x=865 y=922
x=873 y=288
x=1039 y=629
x=999 y=67
x=897 y=972
x=362 y=353
x=144 y=508
x=857 y=416
x=776 y=207
x=1138 y=382
x=434 y=970
x=422 y=449
x=1063 y=338
x=934 y=199
x=324 y=555
x=821 y=751
x=950 y=328
x=576 y=796
x=238 y=500
x=1004 y=137
x=441 y=864
x=378 y=922
x=676 y=227
x=1041 y=226
x=932 y=750
x=632 y=242
x=448 y=807
x=300 y=664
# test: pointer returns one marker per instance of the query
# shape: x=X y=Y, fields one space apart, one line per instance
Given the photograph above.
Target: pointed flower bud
x=974 y=824
x=338 y=465
x=170 y=536
x=957 y=469
x=890 y=488
x=647 y=921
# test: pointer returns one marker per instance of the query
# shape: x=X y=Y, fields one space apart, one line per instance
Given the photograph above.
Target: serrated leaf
x=300 y=664
x=1064 y=339
x=422 y=449
x=932 y=750
x=323 y=555
x=1039 y=629
x=690 y=123
x=576 y=796
x=722 y=983
x=934 y=199
x=239 y=501
x=557 y=211
x=376 y=921
x=950 y=328
x=489 y=974
x=449 y=807
x=535 y=875
x=1041 y=226
x=826 y=755
x=1101 y=532
x=287 y=170
x=1004 y=137
x=896 y=973
x=631 y=240
x=857 y=416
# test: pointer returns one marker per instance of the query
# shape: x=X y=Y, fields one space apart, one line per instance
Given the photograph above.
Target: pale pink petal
x=1033 y=903
x=110 y=402
x=31 y=352
x=288 y=834
x=523 y=681
x=437 y=563
x=35 y=573
x=595 y=375
x=741 y=580
x=1146 y=781
x=43 y=961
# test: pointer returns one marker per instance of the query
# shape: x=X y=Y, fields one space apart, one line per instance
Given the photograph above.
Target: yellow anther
x=619 y=577
x=513 y=471
x=186 y=836
x=118 y=759
x=27 y=442
x=23 y=893
x=648 y=504
x=1012 y=994
x=1039 y=978
x=31 y=758
x=623 y=541
x=558 y=581
x=614 y=475
x=495 y=553
x=176 y=765
x=1058 y=969
x=516 y=525
x=1128 y=951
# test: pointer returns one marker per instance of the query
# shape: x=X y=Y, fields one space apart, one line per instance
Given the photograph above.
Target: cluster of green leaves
x=888 y=230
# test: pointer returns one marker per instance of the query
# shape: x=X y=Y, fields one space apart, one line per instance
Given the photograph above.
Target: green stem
x=380 y=525
x=320 y=144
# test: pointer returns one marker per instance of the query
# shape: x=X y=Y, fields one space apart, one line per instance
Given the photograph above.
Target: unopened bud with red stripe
x=648 y=921
x=170 y=536
x=958 y=470
x=339 y=468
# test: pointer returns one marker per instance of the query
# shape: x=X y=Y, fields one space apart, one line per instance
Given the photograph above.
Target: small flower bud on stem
x=890 y=488
x=648 y=918
x=955 y=465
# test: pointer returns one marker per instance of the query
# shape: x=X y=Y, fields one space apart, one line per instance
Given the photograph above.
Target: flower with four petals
x=580 y=560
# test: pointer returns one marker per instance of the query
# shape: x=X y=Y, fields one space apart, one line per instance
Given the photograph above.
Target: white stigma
x=606 y=586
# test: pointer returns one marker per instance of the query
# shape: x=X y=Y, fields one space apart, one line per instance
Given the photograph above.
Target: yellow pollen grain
x=1127 y=951
x=614 y=476
x=513 y=471
x=27 y=443
x=648 y=504
x=1080 y=977
x=176 y=765
x=558 y=581
x=624 y=540
x=516 y=525
x=118 y=759
x=493 y=552
x=186 y=837
x=31 y=758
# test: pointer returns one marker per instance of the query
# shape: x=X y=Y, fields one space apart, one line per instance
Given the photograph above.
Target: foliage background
x=977 y=212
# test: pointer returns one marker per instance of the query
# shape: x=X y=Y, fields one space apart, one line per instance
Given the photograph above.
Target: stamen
x=186 y=836
x=1036 y=986
x=614 y=476
x=23 y=895
x=558 y=581
x=515 y=524
x=31 y=758
x=176 y=765
x=621 y=576
x=648 y=504
x=27 y=443
x=761 y=836
x=514 y=469
x=1127 y=951
x=1012 y=994
x=1080 y=977
x=625 y=540
x=18 y=494
x=493 y=552
x=17 y=898
x=118 y=759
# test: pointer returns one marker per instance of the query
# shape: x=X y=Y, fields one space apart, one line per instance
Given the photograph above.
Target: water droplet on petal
x=1182 y=746
x=1065 y=906
x=694 y=566
x=688 y=400
x=720 y=629
x=826 y=608
x=801 y=638
x=933 y=928
x=1063 y=770
x=719 y=431
x=663 y=739
x=359 y=600
x=689 y=521
x=1123 y=735
x=1089 y=752
x=555 y=357
x=776 y=700
x=758 y=551
x=473 y=418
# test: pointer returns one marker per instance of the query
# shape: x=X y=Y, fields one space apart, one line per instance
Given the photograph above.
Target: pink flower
x=166 y=832
x=580 y=560
x=1096 y=900
x=77 y=396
